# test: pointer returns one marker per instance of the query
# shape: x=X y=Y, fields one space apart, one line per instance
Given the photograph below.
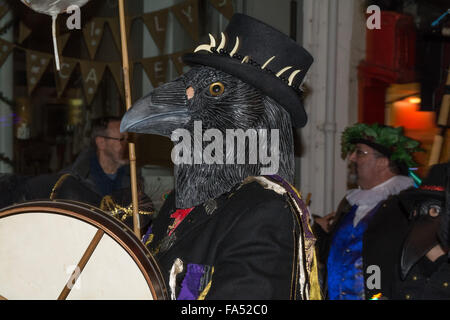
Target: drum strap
x=58 y=184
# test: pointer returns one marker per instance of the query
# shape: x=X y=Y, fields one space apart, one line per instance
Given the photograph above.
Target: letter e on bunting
x=156 y=69
x=37 y=63
x=93 y=33
x=156 y=23
x=225 y=7
x=187 y=13
x=92 y=73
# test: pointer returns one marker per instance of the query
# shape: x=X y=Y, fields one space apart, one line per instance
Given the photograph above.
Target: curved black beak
x=421 y=238
x=160 y=112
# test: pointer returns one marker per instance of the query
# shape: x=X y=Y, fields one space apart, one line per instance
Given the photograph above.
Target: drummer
x=104 y=166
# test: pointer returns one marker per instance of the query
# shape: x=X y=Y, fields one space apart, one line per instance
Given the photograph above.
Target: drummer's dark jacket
x=245 y=247
x=382 y=243
x=89 y=173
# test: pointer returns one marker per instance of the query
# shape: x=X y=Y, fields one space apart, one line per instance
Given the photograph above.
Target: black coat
x=426 y=281
x=250 y=240
x=382 y=244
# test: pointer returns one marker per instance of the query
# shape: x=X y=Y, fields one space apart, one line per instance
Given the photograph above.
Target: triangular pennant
x=187 y=13
x=4 y=8
x=114 y=26
x=178 y=62
x=5 y=49
x=156 y=23
x=92 y=73
x=62 y=77
x=24 y=32
x=93 y=33
x=117 y=73
x=62 y=41
x=37 y=63
x=225 y=7
x=156 y=69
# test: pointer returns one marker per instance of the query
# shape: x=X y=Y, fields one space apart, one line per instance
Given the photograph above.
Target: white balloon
x=53 y=8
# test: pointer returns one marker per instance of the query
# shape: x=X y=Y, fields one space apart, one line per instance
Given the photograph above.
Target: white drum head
x=51 y=249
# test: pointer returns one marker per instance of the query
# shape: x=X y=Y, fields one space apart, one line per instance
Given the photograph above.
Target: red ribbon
x=179 y=215
x=432 y=188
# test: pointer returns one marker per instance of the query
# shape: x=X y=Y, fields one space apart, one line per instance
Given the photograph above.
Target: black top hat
x=434 y=184
x=262 y=56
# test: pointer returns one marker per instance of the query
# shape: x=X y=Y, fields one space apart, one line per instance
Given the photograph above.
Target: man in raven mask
x=425 y=268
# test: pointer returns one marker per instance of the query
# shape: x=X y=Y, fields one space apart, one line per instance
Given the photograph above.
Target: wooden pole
x=442 y=123
x=131 y=146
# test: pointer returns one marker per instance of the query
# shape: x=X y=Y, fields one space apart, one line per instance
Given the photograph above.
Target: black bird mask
x=236 y=105
x=249 y=82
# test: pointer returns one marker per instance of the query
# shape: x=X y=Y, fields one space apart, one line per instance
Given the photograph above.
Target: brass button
x=445 y=284
x=408 y=297
x=347 y=250
x=414 y=278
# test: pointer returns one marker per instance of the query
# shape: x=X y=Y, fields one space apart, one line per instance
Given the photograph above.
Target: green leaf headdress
x=387 y=140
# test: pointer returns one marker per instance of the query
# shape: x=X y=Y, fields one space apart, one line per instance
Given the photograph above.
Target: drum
x=71 y=250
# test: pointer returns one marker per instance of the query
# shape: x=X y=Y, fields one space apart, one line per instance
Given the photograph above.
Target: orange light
x=415 y=100
x=407 y=115
x=376 y=296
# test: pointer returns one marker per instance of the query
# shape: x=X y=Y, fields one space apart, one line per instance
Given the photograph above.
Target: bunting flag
x=178 y=62
x=187 y=14
x=24 y=32
x=156 y=23
x=62 y=41
x=4 y=8
x=117 y=73
x=5 y=49
x=156 y=69
x=93 y=33
x=92 y=73
x=114 y=26
x=63 y=76
x=225 y=7
x=37 y=63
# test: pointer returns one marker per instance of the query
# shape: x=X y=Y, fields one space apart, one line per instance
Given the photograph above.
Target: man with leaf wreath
x=369 y=220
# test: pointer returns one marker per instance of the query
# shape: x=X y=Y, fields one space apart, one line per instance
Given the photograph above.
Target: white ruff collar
x=366 y=200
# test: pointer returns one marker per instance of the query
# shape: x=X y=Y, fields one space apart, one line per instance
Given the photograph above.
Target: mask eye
x=216 y=89
x=434 y=211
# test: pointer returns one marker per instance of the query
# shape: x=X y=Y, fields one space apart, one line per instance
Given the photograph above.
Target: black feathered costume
x=226 y=232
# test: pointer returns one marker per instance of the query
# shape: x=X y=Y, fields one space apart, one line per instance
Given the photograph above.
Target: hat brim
x=383 y=150
x=269 y=84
